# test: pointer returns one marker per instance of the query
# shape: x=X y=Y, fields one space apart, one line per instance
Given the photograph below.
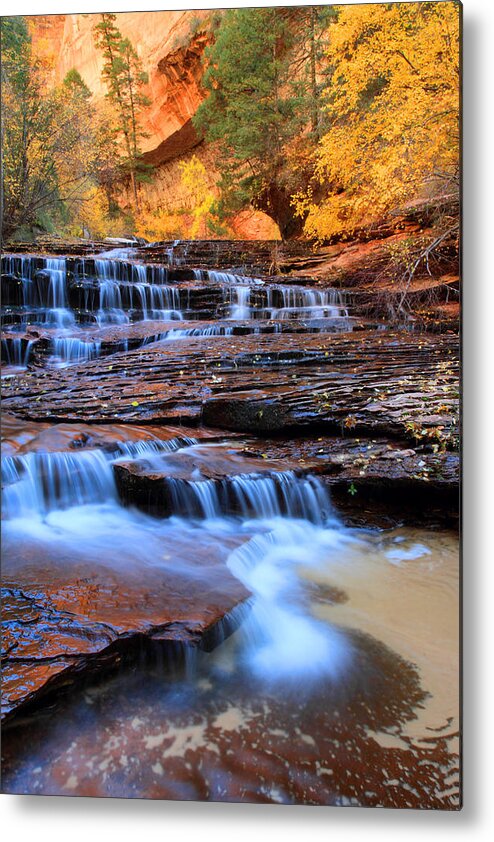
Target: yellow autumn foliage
x=92 y=219
x=393 y=102
x=156 y=224
x=194 y=179
x=193 y=218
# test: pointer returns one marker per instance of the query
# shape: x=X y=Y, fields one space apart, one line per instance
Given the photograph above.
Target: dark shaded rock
x=12 y=291
x=62 y=624
x=245 y=413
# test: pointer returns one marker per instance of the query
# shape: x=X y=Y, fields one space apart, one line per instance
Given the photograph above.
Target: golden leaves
x=394 y=105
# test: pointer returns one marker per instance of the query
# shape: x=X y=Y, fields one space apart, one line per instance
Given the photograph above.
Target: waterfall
x=281 y=494
x=284 y=302
x=71 y=350
x=111 y=308
x=170 y=254
x=16 y=351
x=139 y=273
x=227 y=278
x=111 y=270
x=117 y=253
x=18 y=265
x=140 y=449
x=56 y=268
x=118 y=291
x=240 y=306
x=207 y=330
x=194 y=499
x=159 y=302
x=157 y=274
x=279 y=638
x=36 y=483
x=58 y=312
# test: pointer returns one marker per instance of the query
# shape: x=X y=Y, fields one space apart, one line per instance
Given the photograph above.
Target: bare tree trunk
x=313 y=77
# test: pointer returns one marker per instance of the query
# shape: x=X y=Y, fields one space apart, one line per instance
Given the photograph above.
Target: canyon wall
x=171 y=48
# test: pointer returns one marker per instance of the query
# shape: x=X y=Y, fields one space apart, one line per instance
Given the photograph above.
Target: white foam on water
x=280 y=637
x=399 y=554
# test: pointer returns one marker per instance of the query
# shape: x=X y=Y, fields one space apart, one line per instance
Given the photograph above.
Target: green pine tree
x=124 y=79
x=46 y=138
x=264 y=105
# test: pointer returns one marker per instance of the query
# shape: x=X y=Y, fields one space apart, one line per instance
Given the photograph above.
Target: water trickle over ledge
x=150 y=546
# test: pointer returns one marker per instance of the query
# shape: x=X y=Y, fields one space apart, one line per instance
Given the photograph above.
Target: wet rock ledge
x=63 y=625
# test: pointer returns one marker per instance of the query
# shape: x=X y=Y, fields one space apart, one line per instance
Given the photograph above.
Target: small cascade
x=284 y=302
x=146 y=448
x=16 y=351
x=58 y=312
x=281 y=494
x=56 y=268
x=161 y=303
x=107 y=269
x=157 y=274
x=193 y=499
x=117 y=253
x=111 y=308
x=38 y=284
x=37 y=483
x=18 y=265
x=240 y=308
x=246 y=302
x=279 y=638
x=120 y=271
x=172 y=258
x=206 y=330
x=230 y=279
x=71 y=350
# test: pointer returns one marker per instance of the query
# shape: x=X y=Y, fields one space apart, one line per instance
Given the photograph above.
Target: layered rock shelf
x=198 y=382
x=62 y=625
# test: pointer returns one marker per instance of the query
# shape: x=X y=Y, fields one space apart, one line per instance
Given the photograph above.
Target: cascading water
x=161 y=303
x=38 y=482
x=172 y=258
x=295 y=527
x=55 y=267
x=230 y=279
x=276 y=516
x=240 y=308
x=58 y=312
x=263 y=510
x=142 y=449
x=283 y=676
x=285 y=302
x=280 y=639
x=110 y=290
x=16 y=351
x=207 y=330
x=251 y=496
x=71 y=350
x=111 y=308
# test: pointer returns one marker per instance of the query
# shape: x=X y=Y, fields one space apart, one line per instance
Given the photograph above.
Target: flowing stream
x=346 y=645
x=332 y=680
x=71 y=299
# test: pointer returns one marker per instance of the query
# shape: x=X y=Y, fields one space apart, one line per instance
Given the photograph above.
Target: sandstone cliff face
x=171 y=47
